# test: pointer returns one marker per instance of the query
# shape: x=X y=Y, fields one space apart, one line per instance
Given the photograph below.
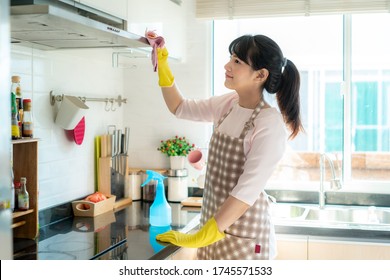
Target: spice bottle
x=27 y=119
x=23 y=196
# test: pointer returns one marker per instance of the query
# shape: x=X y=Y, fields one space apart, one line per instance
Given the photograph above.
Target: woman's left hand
x=207 y=235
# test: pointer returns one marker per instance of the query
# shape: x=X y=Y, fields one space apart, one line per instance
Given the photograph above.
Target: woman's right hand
x=171 y=93
x=165 y=76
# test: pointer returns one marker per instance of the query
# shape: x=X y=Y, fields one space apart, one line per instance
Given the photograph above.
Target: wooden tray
x=192 y=201
x=94 y=208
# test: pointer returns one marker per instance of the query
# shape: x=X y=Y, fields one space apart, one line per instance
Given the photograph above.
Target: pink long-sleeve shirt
x=264 y=144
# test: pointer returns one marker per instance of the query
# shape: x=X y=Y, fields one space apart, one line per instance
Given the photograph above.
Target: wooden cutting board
x=192 y=201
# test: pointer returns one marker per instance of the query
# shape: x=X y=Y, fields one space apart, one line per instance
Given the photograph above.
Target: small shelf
x=25 y=164
x=18 y=224
x=18 y=214
x=24 y=140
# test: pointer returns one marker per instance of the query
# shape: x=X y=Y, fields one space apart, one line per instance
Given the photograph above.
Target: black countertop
x=121 y=235
x=125 y=234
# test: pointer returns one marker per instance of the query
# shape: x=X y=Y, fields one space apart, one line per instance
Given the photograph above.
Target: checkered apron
x=248 y=237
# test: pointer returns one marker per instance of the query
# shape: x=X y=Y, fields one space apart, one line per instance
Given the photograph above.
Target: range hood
x=55 y=26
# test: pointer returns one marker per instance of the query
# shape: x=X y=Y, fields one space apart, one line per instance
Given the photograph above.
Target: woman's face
x=239 y=75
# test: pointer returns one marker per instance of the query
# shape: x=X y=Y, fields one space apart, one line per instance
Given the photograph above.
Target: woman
x=248 y=141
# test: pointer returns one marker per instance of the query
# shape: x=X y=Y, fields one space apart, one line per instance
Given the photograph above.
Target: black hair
x=260 y=52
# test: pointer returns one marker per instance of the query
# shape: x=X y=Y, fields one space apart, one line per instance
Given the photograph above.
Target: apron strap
x=249 y=124
x=224 y=117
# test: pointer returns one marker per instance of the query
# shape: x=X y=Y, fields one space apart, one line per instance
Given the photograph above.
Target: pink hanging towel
x=155 y=42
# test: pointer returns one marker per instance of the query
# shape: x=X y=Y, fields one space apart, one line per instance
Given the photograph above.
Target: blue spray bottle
x=160 y=214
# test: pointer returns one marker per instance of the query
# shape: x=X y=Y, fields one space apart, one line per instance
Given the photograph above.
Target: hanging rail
x=119 y=99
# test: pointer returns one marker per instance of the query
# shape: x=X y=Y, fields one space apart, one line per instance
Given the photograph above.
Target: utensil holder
x=71 y=111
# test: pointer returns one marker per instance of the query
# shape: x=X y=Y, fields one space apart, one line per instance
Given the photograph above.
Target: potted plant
x=177 y=149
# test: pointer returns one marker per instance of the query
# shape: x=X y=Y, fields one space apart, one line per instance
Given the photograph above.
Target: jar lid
x=177 y=172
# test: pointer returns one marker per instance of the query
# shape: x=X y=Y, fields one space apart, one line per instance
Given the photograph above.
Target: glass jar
x=177 y=185
x=134 y=185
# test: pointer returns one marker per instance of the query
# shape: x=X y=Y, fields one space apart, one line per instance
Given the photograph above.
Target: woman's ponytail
x=288 y=98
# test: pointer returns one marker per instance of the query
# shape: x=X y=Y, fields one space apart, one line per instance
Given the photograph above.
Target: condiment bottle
x=12 y=203
x=23 y=196
x=18 y=189
x=15 y=132
x=27 y=119
x=16 y=88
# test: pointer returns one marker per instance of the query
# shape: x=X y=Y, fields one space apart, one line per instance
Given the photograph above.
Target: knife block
x=104 y=181
x=104 y=175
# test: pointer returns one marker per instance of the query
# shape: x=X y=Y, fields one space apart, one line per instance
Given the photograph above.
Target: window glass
x=370 y=98
x=333 y=118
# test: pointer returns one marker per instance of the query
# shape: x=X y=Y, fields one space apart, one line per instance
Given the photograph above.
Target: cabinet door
x=342 y=250
x=184 y=254
x=116 y=8
x=291 y=248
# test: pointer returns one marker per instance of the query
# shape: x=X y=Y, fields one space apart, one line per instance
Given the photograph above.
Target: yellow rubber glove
x=165 y=76
x=207 y=235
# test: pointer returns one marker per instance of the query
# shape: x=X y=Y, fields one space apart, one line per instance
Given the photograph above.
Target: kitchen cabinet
x=347 y=250
x=292 y=247
x=117 y=8
x=302 y=247
x=25 y=164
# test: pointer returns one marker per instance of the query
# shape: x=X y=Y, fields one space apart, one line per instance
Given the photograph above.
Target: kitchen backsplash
x=66 y=170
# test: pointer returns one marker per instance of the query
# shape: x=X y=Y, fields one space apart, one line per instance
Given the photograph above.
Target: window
x=354 y=131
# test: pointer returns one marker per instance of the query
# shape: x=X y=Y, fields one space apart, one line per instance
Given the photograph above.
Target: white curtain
x=230 y=9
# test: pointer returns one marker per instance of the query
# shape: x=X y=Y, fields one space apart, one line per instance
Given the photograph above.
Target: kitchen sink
x=287 y=211
x=365 y=215
x=306 y=214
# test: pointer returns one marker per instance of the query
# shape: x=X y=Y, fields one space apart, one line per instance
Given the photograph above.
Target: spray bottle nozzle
x=153 y=175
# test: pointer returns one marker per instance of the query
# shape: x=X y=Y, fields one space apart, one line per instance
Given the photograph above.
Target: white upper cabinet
x=166 y=17
x=117 y=8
